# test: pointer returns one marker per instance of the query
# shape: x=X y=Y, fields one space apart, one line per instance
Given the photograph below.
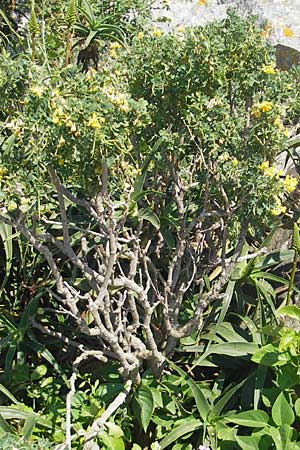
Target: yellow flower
x=264 y=166
x=286 y=132
x=140 y=35
x=202 y=2
x=278 y=208
x=58 y=115
x=112 y=54
x=278 y=122
x=3 y=171
x=157 y=32
x=61 y=162
x=271 y=172
x=290 y=183
x=265 y=106
x=37 y=91
x=95 y=121
x=12 y=206
x=24 y=201
x=115 y=45
x=61 y=141
x=71 y=125
x=235 y=162
x=180 y=29
x=269 y=69
x=288 y=32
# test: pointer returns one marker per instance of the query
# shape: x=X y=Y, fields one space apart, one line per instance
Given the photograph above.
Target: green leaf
x=180 y=431
x=9 y=395
x=267 y=355
x=248 y=442
x=144 y=398
x=4 y=426
x=291 y=311
x=6 y=236
x=282 y=412
x=150 y=216
x=273 y=258
x=225 y=397
x=201 y=402
x=297 y=407
x=29 y=426
x=286 y=433
x=255 y=419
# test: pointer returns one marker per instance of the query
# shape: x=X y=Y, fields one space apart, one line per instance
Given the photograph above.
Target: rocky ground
x=283 y=16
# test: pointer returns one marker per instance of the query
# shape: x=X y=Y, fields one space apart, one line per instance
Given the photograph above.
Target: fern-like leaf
x=71 y=14
x=33 y=25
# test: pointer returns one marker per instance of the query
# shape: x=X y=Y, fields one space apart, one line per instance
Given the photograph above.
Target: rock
x=286 y=57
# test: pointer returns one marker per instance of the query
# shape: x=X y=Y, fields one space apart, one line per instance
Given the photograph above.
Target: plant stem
x=68 y=48
x=292 y=277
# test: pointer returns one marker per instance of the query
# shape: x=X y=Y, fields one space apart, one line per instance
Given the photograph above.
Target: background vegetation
x=144 y=304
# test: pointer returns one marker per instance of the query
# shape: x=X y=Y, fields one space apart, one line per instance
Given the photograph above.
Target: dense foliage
x=137 y=202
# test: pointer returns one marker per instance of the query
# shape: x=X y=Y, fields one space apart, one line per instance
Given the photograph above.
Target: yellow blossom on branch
x=202 y=2
x=278 y=122
x=37 y=91
x=157 y=32
x=264 y=165
x=290 y=183
x=71 y=125
x=262 y=107
x=270 y=171
x=265 y=106
x=140 y=35
x=269 y=69
x=278 y=208
x=115 y=45
x=95 y=121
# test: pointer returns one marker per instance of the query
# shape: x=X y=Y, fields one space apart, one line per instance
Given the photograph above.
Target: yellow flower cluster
x=202 y=2
x=3 y=171
x=278 y=122
x=58 y=116
x=270 y=171
x=115 y=45
x=290 y=183
x=112 y=49
x=269 y=69
x=37 y=91
x=156 y=32
x=117 y=98
x=140 y=35
x=262 y=107
x=278 y=208
x=95 y=121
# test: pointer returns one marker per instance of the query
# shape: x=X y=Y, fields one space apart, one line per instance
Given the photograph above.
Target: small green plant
x=11 y=442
